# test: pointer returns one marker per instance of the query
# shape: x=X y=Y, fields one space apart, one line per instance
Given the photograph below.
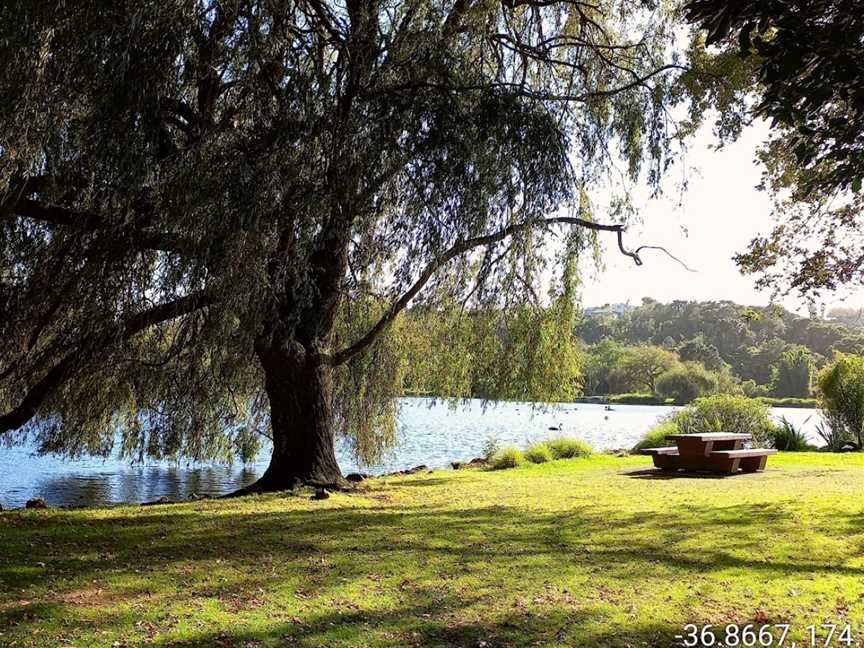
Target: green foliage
x=803 y=403
x=788 y=438
x=522 y=353
x=636 y=399
x=686 y=382
x=206 y=202
x=752 y=390
x=792 y=374
x=642 y=365
x=806 y=62
x=538 y=453
x=698 y=349
x=841 y=392
x=834 y=432
x=569 y=447
x=725 y=413
x=491 y=447
x=600 y=361
x=750 y=345
x=366 y=388
x=509 y=457
x=656 y=436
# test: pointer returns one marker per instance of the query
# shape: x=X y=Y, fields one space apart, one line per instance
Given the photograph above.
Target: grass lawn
x=573 y=553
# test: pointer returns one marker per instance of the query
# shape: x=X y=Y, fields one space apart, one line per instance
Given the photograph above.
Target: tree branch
x=56 y=215
x=74 y=360
x=456 y=250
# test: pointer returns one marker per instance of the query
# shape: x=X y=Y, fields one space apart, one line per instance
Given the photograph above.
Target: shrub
x=491 y=447
x=656 y=436
x=752 y=390
x=637 y=399
x=841 y=387
x=569 y=447
x=726 y=413
x=686 y=382
x=833 y=432
x=538 y=453
x=509 y=457
x=791 y=375
x=787 y=437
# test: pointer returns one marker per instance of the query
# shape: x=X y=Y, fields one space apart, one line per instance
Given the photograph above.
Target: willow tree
x=215 y=210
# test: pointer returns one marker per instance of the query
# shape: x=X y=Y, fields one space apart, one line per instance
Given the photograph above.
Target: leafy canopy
x=810 y=85
x=186 y=184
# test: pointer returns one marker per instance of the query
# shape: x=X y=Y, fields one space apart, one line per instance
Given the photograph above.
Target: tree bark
x=299 y=387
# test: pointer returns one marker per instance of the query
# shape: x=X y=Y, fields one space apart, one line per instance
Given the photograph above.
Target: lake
x=430 y=433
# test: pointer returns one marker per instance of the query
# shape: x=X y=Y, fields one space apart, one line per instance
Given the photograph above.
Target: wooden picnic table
x=719 y=452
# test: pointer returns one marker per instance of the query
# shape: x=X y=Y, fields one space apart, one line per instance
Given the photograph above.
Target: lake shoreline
x=432 y=433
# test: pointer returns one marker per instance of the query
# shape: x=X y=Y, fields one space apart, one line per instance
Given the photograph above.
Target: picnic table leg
x=666 y=462
x=754 y=464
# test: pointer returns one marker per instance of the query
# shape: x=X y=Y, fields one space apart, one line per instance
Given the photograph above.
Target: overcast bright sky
x=717 y=217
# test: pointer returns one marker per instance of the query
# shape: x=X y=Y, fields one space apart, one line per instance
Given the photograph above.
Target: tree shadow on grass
x=408 y=575
x=559 y=627
x=658 y=473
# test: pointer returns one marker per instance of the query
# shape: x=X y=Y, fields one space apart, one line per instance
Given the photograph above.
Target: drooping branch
x=459 y=248
x=520 y=89
x=83 y=351
x=86 y=221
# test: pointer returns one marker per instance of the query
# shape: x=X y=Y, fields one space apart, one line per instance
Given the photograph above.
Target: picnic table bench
x=718 y=452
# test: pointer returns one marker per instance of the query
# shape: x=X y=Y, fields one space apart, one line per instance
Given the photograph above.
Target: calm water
x=431 y=434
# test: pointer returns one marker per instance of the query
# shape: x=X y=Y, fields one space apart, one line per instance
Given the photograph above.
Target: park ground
x=581 y=552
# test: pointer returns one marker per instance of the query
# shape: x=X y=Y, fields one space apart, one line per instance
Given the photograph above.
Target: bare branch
x=665 y=251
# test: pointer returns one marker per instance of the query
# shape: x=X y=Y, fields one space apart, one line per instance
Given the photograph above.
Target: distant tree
x=747 y=339
x=841 y=396
x=595 y=328
x=643 y=365
x=697 y=349
x=757 y=360
x=791 y=375
x=686 y=382
x=849 y=316
x=601 y=359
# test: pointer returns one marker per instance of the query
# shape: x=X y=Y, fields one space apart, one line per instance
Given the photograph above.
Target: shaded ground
x=573 y=553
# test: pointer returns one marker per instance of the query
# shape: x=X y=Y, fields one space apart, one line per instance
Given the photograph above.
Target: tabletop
x=711 y=436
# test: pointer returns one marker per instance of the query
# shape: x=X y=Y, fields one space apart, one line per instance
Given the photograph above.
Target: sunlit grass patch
x=597 y=551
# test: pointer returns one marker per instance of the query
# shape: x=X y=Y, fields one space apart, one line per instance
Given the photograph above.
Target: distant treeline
x=652 y=353
x=684 y=349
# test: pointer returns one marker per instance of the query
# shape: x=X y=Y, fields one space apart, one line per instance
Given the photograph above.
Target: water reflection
x=430 y=433
x=141 y=484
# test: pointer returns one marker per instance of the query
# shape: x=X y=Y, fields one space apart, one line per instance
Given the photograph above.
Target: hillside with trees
x=685 y=349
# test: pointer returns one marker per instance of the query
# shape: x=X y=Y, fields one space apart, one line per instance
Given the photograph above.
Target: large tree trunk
x=299 y=388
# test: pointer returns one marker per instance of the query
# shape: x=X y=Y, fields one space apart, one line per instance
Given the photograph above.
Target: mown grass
x=582 y=552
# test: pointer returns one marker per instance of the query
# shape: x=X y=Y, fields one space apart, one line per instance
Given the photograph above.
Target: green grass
x=581 y=552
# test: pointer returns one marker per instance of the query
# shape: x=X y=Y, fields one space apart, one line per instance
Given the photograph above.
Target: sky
x=717 y=216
